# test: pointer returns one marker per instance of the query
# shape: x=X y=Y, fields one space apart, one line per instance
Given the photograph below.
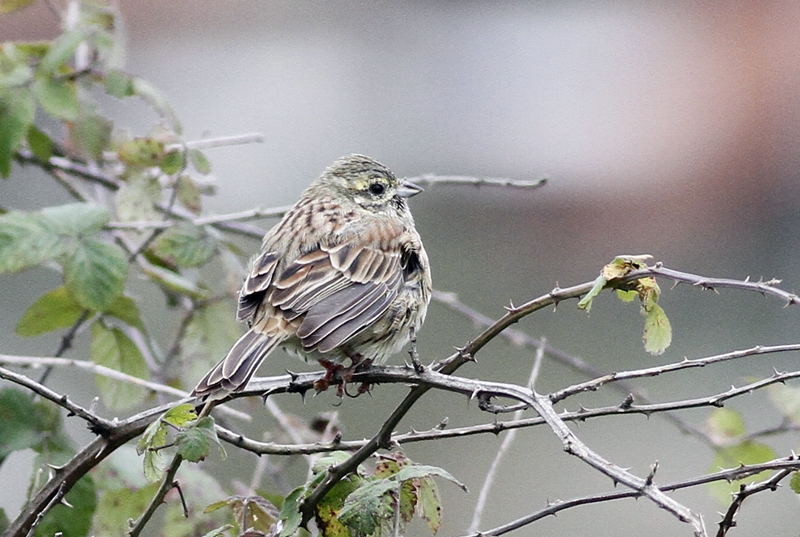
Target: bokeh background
x=664 y=128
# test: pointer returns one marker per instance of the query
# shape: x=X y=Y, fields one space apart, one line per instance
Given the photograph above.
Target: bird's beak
x=408 y=189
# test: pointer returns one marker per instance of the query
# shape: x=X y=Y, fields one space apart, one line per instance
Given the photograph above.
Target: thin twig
x=745 y=491
x=103 y=371
x=483 y=495
x=433 y=179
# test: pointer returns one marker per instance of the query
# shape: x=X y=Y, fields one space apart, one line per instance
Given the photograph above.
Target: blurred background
x=671 y=129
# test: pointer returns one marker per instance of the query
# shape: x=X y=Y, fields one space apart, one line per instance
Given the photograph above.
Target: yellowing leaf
x=724 y=425
x=657 y=330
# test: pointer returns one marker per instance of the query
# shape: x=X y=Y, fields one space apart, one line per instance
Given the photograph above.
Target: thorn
x=442 y=424
x=63 y=501
x=338 y=438
x=294 y=376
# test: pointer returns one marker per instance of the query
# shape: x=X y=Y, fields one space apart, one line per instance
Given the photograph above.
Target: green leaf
x=53 y=310
x=14 y=68
x=747 y=452
x=724 y=425
x=26 y=240
x=41 y=145
x=113 y=349
x=8 y=6
x=193 y=443
x=787 y=400
x=156 y=99
x=586 y=302
x=18 y=429
x=189 y=194
x=124 y=308
x=290 y=512
x=59 y=98
x=136 y=200
x=627 y=296
x=173 y=281
x=430 y=503
x=794 y=482
x=142 y=152
x=73 y=521
x=180 y=415
x=173 y=162
x=4 y=521
x=61 y=50
x=76 y=219
x=332 y=519
x=199 y=161
x=118 y=505
x=151 y=440
x=657 y=330
x=185 y=245
x=16 y=117
x=119 y=84
x=420 y=470
x=90 y=135
x=95 y=273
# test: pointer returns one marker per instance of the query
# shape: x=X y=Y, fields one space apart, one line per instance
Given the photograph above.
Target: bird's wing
x=339 y=290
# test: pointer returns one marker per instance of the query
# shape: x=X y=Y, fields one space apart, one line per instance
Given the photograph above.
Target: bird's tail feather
x=235 y=370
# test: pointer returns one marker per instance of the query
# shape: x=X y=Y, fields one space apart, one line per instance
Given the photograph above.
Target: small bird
x=343 y=276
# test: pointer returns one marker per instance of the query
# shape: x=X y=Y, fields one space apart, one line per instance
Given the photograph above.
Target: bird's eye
x=376 y=188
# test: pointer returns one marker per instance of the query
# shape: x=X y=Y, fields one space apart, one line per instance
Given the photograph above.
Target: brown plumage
x=342 y=278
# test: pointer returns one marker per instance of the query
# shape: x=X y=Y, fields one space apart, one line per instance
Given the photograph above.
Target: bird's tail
x=234 y=371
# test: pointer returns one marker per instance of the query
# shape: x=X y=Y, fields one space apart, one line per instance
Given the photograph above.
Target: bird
x=342 y=278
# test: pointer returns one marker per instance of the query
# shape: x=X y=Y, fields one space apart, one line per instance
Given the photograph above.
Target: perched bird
x=342 y=278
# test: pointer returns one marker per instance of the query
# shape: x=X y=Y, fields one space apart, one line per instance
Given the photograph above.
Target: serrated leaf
x=136 y=200
x=180 y=415
x=185 y=245
x=586 y=302
x=75 y=520
x=254 y=512
x=430 y=503
x=16 y=117
x=142 y=152
x=334 y=458
x=57 y=97
x=192 y=444
x=26 y=240
x=113 y=349
x=76 y=219
x=90 y=135
x=9 y=6
x=747 y=452
x=173 y=162
x=61 y=50
x=95 y=273
x=154 y=437
x=156 y=99
x=657 y=330
x=189 y=194
x=290 y=512
x=329 y=511
x=794 y=482
x=724 y=425
x=118 y=84
x=53 y=310
x=199 y=161
x=125 y=309
x=422 y=471
x=41 y=145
